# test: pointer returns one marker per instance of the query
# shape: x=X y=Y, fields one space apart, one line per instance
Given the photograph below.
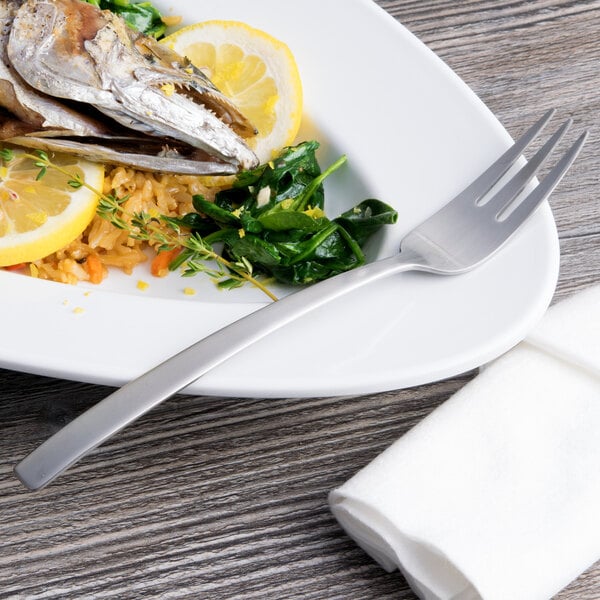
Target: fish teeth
x=179 y=85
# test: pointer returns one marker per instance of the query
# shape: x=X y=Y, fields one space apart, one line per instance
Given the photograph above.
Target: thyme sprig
x=163 y=232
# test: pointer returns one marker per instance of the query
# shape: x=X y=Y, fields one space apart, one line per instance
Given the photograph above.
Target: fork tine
x=507 y=194
x=545 y=187
x=480 y=186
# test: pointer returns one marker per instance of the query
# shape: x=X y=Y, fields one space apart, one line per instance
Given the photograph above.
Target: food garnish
x=42 y=211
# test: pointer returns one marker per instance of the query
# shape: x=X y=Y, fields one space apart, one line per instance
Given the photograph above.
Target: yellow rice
x=153 y=193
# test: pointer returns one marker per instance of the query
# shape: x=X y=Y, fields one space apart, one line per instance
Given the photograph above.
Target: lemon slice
x=254 y=70
x=40 y=216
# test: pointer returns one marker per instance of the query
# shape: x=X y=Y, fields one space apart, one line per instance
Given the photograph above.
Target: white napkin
x=496 y=494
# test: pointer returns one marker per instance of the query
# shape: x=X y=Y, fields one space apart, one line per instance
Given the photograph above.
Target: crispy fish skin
x=71 y=49
x=143 y=153
x=30 y=106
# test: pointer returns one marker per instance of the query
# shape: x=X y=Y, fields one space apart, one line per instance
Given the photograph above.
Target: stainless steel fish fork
x=457 y=238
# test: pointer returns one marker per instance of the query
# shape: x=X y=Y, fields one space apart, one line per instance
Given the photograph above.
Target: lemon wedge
x=40 y=216
x=254 y=70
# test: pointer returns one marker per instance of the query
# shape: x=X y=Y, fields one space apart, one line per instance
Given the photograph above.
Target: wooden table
x=226 y=498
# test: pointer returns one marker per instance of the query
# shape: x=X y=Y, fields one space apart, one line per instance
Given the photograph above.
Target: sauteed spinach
x=274 y=217
x=139 y=15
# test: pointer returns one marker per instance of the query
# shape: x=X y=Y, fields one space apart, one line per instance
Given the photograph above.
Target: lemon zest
x=314 y=213
x=168 y=89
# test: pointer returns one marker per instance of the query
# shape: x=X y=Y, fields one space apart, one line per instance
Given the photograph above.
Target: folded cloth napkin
x=496 y=494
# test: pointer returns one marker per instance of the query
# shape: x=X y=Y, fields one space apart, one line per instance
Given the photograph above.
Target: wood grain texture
x=226 y=498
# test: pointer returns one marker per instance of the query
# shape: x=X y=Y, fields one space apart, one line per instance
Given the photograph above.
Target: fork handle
x=137 y=397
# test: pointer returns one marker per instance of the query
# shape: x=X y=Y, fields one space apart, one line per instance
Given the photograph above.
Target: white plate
x=414 y=134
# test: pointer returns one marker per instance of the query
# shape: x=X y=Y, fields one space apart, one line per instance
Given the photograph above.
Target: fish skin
x=30 y=106
x=128 y=152
x=71 y=49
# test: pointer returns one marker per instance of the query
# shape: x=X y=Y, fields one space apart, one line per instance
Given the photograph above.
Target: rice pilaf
x=102 y=245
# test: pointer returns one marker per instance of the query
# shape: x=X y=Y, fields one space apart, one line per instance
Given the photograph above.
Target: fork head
x=478 y=222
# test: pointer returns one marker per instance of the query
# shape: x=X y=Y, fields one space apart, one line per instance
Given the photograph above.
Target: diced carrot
x=160 y=263
x=15 y=267
x=95 y=269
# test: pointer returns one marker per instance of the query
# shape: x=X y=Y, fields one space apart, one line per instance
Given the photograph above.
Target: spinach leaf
x=285 y=178
x=197 y=223
x=141 y=16
x=253 y=248
x=221 y=216
x=362 y=221
x=285 y=220
x=273 y=217
x=302 y=273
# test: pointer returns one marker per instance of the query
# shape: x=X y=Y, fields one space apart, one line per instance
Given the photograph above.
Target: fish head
x=162 y=93
x=71 y=49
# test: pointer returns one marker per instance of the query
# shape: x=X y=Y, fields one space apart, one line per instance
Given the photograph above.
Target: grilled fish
x=71 y=50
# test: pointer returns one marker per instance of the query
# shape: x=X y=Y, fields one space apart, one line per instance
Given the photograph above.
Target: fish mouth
x=241 y=127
